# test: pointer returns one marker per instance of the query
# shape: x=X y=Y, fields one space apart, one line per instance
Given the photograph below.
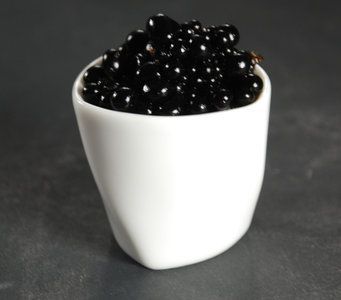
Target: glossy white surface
x=177 y=190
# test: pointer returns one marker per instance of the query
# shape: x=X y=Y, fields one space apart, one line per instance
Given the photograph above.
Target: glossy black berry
x=172 y=70
x=159 y=26
x=237 y=65
x=249 y=82
x=255 y=83
x=114 y=61
x=231 y=34
x=199 y=47
x=181 y=85
x=149 y=70
x=195 y=25
x=204 y=69
x=198 y=106
x=198 y=103
x=95 y=75
x=201 y=85
x=209 y=29
x=222 y=99
x=172 y=108
x=142 y=106
x=243 y=97
x=136 y=41
x=94 y=94
x=162 y=93
x=163 y=45
x=108 y=57
x=119 y=64
x=221 y=39
x=175 y=69
x=121 y=99
x=104 y=99
x=179 y=49
x=162 y=57
x=148 y=76
x=208 y=33
x=91 y=93
x=185 y=32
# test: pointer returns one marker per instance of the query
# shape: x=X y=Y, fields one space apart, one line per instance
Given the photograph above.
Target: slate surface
x=55 y=240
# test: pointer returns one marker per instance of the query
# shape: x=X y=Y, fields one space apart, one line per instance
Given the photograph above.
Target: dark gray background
x=55 y=240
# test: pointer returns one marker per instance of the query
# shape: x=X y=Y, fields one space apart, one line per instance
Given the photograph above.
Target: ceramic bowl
x=177 y=189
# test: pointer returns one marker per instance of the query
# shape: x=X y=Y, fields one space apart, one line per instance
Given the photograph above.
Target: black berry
x=195 y=25
x=137 y=41
x=148 y=77
x=199 y=47
x=95 y=75
x=91 y=93
x=172 y=109
x=179 y=49
x=231 y=34
x=159 y=26
x=222 y=99
x=175 y=69
x=240 y=64
x=255 y=83
x=243 y=97
x=121 y=99
x=198 y=103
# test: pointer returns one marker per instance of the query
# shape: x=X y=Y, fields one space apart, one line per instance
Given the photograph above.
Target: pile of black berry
x=175 y=69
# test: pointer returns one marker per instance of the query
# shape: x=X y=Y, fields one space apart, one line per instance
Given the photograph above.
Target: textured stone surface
x=55 y=240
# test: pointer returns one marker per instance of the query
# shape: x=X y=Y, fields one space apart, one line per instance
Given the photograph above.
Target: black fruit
x=240 y=64
x=173 y=69
x=179 y=49
x=255 y=83
x=199 y=47
x=91 y=93
x=148 y=77
x=231 y=34
x=159 y=26
x=95 y=75
x=172 y=109
x=198 y=103
x=222 y=99
x=137 y=41
x=121 y=99
x=195 y=25
x=243 y=97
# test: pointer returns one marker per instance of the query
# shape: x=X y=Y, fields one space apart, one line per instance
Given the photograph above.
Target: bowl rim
x=78 y=99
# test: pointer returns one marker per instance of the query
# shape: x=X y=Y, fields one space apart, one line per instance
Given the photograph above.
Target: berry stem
x=256 y=58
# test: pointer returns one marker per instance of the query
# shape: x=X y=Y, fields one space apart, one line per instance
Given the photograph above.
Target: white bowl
x=177 y=189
